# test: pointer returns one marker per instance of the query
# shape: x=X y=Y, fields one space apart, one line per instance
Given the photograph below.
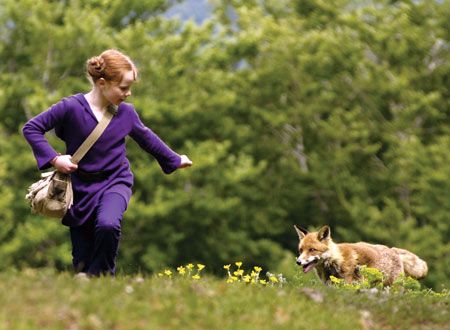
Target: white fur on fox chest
x=330 y=263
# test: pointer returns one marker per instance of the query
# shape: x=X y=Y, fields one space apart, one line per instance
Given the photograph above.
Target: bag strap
x=93 y=137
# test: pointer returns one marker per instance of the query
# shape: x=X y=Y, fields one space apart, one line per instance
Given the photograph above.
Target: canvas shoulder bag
x=52 y=196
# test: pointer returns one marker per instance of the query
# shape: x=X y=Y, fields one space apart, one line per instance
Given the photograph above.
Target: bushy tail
x=412 y=264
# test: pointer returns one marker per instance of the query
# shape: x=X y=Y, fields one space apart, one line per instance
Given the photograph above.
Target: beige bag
x=52 y=196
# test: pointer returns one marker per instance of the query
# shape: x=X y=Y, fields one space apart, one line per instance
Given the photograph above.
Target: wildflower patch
x=235 y=274
x=189 y=271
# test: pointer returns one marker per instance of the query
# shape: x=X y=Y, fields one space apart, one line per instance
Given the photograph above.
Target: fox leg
x=350 y=278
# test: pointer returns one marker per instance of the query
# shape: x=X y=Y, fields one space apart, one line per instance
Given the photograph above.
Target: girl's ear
x=101 y=82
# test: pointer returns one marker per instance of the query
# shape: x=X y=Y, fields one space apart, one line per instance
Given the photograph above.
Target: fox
x=318 y=251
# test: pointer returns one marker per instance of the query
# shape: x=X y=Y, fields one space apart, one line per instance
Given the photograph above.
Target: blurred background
x=304 y=112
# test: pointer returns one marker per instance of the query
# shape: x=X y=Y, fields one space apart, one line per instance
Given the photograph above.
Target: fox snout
x=301 y=262
x=307 y=264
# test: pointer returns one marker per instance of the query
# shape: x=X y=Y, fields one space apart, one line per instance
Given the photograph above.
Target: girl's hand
x=63 y=164
x=185 y=161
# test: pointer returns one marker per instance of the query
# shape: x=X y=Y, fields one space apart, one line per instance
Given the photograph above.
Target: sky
x=198 y=10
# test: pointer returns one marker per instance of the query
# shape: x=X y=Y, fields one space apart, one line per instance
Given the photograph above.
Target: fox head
x=312 y=247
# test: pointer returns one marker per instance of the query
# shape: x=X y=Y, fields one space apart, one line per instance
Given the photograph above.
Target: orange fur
x=318 y=251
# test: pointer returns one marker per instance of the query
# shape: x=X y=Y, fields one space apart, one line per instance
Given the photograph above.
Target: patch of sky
x=197 y=10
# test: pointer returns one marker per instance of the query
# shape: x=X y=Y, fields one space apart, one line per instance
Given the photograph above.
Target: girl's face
x=117 y=92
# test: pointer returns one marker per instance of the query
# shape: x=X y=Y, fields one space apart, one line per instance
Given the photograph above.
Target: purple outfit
x=96 y=243
x=73 y=120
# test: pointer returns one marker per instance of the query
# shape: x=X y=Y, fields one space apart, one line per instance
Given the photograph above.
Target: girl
x=102 y=180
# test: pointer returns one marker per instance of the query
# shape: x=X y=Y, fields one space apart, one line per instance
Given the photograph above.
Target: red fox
x=317 y=250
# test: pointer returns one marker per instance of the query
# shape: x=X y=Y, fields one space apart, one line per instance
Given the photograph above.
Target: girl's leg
x=107 y=232
x=82 y=243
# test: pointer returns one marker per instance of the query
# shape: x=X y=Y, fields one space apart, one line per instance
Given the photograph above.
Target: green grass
x=35 y=299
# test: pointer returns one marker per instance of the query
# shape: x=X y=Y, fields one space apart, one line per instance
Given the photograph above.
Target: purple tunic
x=73 y=120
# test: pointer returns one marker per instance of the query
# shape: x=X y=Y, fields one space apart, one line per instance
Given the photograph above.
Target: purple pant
x=96 y=242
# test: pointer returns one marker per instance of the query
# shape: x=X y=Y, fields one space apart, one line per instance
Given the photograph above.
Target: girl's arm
x=34 y=132
x=168 y=159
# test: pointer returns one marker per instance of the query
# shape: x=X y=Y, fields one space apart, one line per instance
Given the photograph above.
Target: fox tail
x=412 y=264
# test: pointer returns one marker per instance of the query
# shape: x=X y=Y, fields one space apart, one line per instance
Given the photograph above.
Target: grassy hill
x=44 y=299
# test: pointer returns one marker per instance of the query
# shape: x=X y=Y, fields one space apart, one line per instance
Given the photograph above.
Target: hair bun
x=110 y=66
x=96 y=67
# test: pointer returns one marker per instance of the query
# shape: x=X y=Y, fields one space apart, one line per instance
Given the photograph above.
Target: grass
x=44 y=299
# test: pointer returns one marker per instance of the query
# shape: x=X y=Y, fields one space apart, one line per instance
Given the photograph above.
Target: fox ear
x=324 y=233
x=300 y=232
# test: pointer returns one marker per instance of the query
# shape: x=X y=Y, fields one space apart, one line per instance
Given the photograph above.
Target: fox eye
x=301 y=251
x=312 y=250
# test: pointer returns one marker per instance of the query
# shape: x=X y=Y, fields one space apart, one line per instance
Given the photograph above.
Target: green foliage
x=310 y=112
x=372 y=278
x=405 y=283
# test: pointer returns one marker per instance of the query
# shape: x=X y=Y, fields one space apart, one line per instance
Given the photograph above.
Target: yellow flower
x=239 y=272
x=160 y=274
x=168 y=272
x=196 y=277
x=181 y=270
x=263 y=282
x=335 y=280
x=189 y=266
x=273 y=279
x=232 y=279
x=239 y=264
x=246 y=278
x=200 y=266
x=227 y=267
x=257 y=269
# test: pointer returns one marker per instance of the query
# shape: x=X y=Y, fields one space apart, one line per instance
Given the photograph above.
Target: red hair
x=109 y=65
